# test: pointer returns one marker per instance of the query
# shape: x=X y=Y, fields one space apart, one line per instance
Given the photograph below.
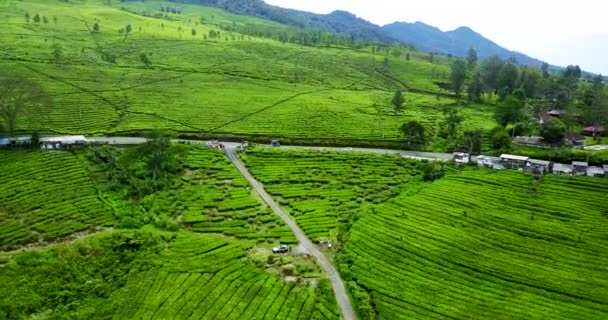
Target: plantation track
x=342 y=298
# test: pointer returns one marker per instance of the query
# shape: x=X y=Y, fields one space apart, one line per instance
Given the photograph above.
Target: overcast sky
x=559 y=32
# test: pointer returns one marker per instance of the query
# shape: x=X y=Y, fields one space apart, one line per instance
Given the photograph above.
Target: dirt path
x=63 y=240
x=348 y=313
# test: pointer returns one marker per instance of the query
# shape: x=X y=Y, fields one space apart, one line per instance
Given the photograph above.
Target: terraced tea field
x=233 y=84
x=205 y=277
x=45 y=196
x=486 y=245
x=212 y=197
x=322 y=189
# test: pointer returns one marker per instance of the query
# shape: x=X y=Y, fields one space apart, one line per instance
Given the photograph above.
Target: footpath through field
x=346 y=307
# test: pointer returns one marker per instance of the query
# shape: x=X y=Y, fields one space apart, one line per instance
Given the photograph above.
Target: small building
x=555 y=113
x=275 y=143
x=514 y=162
x=62 y=142
x=579 y=168
x=5 y=142
x=596 y=172
x=594 y=131
x=538 y=166
x=562 y=169
x=490 y=162
x=574 y=139
x=461 y=158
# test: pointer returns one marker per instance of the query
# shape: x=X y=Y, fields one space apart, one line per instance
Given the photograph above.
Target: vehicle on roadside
x=275 y=143
x=214 y=144
x=348 y=149
x=280 y=249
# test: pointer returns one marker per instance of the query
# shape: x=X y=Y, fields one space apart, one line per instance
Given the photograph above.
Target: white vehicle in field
x=280 y=249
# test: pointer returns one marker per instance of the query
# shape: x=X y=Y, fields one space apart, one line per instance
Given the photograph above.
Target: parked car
x=280 y=249
x=213 y=144
x=275 y=143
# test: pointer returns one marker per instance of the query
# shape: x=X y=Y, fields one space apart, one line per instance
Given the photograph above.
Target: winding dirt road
x=348 y=313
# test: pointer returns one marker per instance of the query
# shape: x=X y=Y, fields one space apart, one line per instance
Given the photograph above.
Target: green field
x=45 y=196
x=322 y=190
x=476 y=244
x=234 y=84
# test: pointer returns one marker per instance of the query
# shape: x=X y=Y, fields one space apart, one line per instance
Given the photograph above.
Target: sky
x=559 y=32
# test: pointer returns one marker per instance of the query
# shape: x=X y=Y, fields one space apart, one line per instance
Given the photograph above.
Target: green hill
x=203 y=79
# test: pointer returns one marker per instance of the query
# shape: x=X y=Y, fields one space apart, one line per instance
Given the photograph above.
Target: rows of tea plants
x=486 y=245
x=321 y=188
x=45 y=196
x=212 y=197
x=206 y=277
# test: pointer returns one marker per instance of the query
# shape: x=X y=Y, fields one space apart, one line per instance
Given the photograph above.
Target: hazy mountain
x=456 y=42
x=422 y=36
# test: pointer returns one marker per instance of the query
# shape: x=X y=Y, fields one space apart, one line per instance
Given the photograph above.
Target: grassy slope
x=45 y=196
x=249 y=86
x=218 y=268
x=476 y=244
x=487 y=245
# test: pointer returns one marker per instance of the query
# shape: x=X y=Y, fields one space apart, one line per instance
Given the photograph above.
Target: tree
x=553 y=130
x=459 y=74
x=193 y=32
x=27 y=17
x=511 y=110
x=398 y=101
x=500 y=139
x=96 y=27
x=507 y=79
x=490 y=72
x=22 y=101
x=472 y=141
x=545 y=69
x=475 y=89
x=408 y=56
x=598 y=112
x=413 y=132
x=37 y=19
x=128 y=29
x=45 y=20
x=573 y=72
x=145 y=60
x=453 y=119
x=472 y=59
x=57 y=53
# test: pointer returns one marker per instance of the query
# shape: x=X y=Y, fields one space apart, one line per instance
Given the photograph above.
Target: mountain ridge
x=422 y=36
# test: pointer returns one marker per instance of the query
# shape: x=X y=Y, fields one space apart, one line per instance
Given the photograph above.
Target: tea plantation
x=45 y=196
x=233 y=84
x=486 y=245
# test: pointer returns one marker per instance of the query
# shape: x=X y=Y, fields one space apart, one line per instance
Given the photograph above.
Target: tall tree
x=472 y=141
x=37 y=18
x=398 y=101
x=507 y=79
x=545 y=69
x=490 y=71
x=22 y=101
x=413 y=132
x=475 y=89
x=599 y=106
x=27 y=17
x=509 y=111
x=472 y=59
x=553 y=131
x=453 y=119
x=458 y=76
x=96 y=27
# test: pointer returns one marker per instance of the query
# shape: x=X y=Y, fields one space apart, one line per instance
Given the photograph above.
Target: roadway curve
x=348 y=313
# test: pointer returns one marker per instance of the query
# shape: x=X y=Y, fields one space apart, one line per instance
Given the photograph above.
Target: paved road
x=346 y=307
x=406 y=154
